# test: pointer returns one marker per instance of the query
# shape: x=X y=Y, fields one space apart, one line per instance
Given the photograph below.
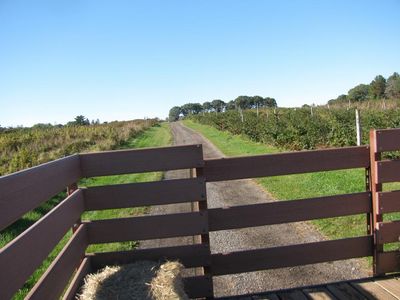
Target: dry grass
x=141 y=280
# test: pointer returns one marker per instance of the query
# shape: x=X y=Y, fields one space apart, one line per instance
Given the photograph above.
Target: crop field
x=21 y=148
x=302 y=128
x=118 y=135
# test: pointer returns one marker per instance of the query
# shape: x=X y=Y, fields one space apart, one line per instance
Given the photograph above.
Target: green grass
x=154 y=137
x=230 y=145
x=291 y=187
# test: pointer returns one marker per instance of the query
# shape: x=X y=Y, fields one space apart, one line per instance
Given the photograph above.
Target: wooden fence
x=23 y=191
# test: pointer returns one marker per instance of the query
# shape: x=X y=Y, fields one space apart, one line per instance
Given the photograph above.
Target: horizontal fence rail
x=290 y=256
x=84 y=269
x=198 y=286
x=389 y=201
x=25 y=190
x=20 y=258
x=147 y=228
x=137 y=161
x=144 y=194
x=286 y=163
x=388 y=232
x=288 y=211
x=388 y=171
x=53 y=282
x=388 y=140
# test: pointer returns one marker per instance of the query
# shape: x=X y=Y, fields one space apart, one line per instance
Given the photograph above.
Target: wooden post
x=368 y=188
x=358 y=128
x=241 y=114
x=70 y=189
x=376 y=187
x=257 y=109
x=204 y=239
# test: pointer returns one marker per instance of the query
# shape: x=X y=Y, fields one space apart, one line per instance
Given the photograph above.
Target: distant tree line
x=78 y=121
x=217 y=106
x=379 y=89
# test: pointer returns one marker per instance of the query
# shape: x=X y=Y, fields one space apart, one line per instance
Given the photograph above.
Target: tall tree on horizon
x=377 y=87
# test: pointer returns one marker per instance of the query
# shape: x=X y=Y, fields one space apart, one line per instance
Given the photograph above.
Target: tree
x=218 y=105
x=174 y=113
x=270 y=102
x=230 y=105
x=244 y=102
x=81 y=121
x=359 y=93
x=207 y=106
x=257 y=101
x=392 y=90
x=191 y=108
x=196 y=108
x=377 y=87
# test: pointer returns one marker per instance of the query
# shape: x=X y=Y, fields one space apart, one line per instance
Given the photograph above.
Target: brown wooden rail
x=26 y=190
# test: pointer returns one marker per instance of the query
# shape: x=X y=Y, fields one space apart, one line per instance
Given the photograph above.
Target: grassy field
x=154 y=137
x=291 y=187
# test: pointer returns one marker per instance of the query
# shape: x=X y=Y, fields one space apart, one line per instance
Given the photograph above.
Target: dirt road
x=241 y=192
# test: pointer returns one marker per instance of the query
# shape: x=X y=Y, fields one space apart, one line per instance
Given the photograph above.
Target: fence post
x=358 y=128
x=204 y=239
x=376 y=187
x=70 y=189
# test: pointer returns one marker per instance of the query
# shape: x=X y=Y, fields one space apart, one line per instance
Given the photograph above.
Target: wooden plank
x=77 y=280
x=290 y=256
x=392 y=285
x=23 y=255
x=23 y=191
x=288 y=211
x=375 y=187
x=389 y=201
x=388 y=171
x=53 y=282
x=388 y=262
x=269 y=296
x=286 y=163
x=372 y=291
x=190 y=256
x=318 y=293
x=388 y=139
x=344 y=291
x=388 y=232
x=198 y=286
x=144 y=194
x=292 y=295
x=141 y=160
x=148 y=227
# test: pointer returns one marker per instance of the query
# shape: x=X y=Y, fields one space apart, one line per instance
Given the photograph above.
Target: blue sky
x=120 y=60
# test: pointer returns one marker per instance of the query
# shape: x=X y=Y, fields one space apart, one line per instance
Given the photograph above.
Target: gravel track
x=242 y=192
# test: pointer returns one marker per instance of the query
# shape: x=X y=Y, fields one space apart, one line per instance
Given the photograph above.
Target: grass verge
x=154 y=137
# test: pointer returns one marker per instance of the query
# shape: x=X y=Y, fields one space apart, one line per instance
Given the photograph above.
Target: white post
x=358 y=128
x=241 y=114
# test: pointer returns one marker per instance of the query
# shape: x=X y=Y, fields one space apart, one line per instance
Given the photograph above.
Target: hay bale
x=167 y=284
x=145 y=280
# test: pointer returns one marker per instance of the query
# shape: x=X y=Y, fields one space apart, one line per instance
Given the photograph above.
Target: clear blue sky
x=119 y=60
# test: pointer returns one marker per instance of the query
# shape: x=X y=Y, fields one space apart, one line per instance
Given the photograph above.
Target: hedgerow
x=302 y=128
